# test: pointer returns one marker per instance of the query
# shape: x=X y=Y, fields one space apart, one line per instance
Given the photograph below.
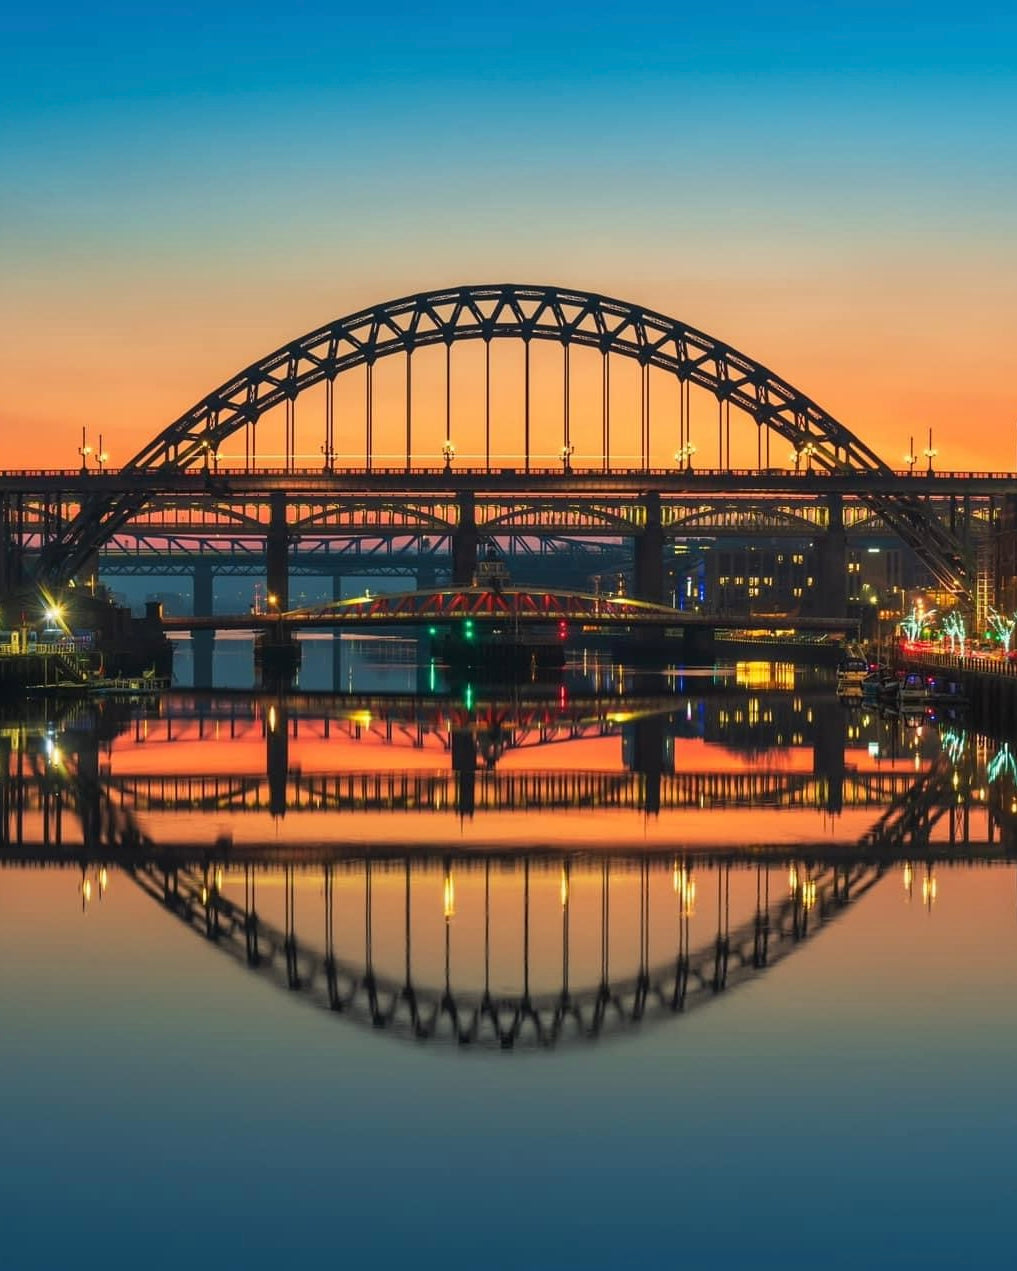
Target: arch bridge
x=685 y=384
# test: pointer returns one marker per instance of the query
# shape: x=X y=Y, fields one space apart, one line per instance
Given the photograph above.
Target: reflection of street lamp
x=448 y=451
x=566 y=457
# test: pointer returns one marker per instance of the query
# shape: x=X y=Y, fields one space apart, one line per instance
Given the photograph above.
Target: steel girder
x=508 y=310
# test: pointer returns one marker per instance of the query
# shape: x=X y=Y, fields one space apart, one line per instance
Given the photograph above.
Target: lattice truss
x=527 y=313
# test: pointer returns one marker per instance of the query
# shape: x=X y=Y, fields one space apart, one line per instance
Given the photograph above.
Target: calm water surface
x=709 y=970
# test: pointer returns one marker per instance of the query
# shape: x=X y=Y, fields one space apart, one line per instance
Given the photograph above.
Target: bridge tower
x=203 y=642
x=828 y=597
x=464 y=540
x=277 y=548
x=649 y=553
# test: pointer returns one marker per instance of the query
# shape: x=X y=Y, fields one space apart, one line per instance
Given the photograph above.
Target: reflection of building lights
x=909 y=877
x=792 y=879
x=103 y=881
x=272 y=719
x=448 y=899
x=929 y=890
x=564 y=887
x=218 y=878
x=808 y=893
x=204 y=894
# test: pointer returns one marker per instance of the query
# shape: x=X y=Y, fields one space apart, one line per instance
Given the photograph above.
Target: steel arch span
x=497 y=311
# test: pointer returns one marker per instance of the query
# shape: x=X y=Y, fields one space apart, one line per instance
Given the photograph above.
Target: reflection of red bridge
x=507 y=605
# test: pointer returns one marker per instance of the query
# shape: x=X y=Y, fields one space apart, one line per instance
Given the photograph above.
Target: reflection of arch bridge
x=487 y=1015
x=678 y=368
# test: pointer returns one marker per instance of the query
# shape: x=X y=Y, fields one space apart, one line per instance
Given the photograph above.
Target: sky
x=828 y=188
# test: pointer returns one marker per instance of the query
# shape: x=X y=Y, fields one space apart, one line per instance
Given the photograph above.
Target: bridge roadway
x=257 y=483
x=512 y=605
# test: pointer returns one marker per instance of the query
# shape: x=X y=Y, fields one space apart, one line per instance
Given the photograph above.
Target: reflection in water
x=615 y=951
x=181 y=798
x=516 y=946
x=441 y=878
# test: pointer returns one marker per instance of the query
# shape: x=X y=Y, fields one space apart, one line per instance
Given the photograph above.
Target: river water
x=627 y=971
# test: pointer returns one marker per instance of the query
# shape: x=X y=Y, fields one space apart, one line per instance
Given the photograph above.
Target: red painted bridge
x=496 y=607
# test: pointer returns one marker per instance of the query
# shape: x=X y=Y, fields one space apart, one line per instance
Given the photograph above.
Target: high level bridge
x=492 y=411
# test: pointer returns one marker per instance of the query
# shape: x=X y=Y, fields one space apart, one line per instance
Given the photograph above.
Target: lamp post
x=911 y=458
x=84 y=450
x=930 y=452
x=448 y=452
x=683 y=456
x=102 y=457
x=567 y=452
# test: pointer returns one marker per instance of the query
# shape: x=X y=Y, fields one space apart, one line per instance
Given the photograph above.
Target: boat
x=851 y=675
x=912 y=692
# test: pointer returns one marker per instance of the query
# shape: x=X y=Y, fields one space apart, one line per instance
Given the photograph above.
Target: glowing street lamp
x=683 y=456
x=448 y=452
x=911 y=458
x=566 y=457
x=930 y=452
x=102 y=456
x=84 y=450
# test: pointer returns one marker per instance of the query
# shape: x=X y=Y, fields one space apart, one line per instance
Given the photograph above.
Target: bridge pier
x=648 y=572
x=337 y=647
x=277 y=549
x=277 y=757
x=464 y=540
x=464 y=765
x=699 y=646
x=12 y=529
x=650 y=755
x=828 y=595
x=202 y=642
x=828 y=753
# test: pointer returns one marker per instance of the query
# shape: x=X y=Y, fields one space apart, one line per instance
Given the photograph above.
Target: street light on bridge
x=930 y=452
x=102 y=457
x=683 y=456
x=567 y=452
x=448 y=452
x=84 y=450
x=911 y=458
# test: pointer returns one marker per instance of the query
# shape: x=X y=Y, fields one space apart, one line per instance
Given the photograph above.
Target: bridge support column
x=828 y=753
x=11 y=564
x=464 y=540
x=277 y=550
x=699 y=646
x=277 y=757
x=202 y=642
x=337 y=647
x=649 y=554
x=828 y=597
x=464 y=765
x=650 y=756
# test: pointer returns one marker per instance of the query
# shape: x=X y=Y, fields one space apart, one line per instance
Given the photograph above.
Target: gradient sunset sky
x=828 y=187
